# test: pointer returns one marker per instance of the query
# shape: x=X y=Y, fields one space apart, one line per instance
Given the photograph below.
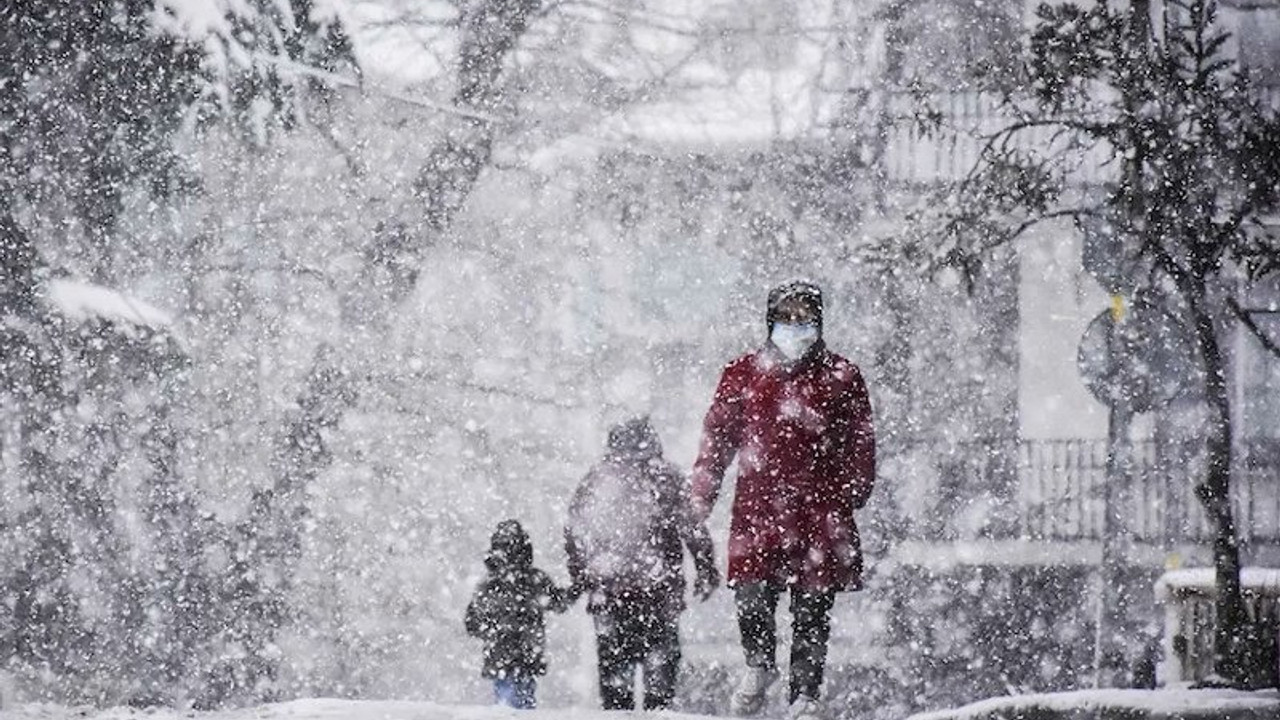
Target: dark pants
x=810 y=625
x=632 y=632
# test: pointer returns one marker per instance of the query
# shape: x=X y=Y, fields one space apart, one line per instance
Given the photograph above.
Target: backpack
x=617 y=520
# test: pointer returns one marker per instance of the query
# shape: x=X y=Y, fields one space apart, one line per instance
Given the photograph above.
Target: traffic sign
x=1137 y=358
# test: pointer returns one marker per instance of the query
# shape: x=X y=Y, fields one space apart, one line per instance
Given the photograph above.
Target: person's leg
x=757 y=607
x=526 y=692
x=617 y=668
x=504 y=692
x=811 y=626
x=661 y=662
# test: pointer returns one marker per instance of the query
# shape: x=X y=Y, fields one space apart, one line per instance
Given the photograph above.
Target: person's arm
x=706 y=573
x=692 y=531
x=698 y=539
x=558 y=599
x=476 y=620
x=721 y=438
x=857 y=460
x=573 y=549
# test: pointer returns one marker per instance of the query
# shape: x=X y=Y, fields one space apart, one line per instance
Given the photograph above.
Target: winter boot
x=805 y=708
x=748 y=698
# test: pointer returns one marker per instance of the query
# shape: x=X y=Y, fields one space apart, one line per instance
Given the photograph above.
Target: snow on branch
x=85 y=301
x=232 y=36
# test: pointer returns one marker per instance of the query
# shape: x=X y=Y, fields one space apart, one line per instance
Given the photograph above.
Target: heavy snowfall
x=952 y=329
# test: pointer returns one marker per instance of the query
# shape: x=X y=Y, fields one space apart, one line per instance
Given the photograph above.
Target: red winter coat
x=806 y=461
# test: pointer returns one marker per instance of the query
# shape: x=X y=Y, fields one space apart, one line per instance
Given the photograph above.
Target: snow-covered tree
x=123 y=585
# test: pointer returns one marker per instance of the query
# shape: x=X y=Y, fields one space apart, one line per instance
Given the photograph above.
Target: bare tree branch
x=1246 y=317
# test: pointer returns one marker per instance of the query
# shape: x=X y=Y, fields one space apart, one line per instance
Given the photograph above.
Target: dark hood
x=634 y=439
x=509 y=548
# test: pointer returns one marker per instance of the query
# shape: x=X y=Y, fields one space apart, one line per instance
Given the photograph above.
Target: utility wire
x=292 y=66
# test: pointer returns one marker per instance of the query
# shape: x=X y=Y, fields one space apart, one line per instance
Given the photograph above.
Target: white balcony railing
x=1056 y=489
x=914 y=156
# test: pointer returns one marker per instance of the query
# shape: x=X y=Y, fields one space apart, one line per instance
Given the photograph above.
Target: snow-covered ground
x=1182 y=704
x=1170 y=703
x=319 y=709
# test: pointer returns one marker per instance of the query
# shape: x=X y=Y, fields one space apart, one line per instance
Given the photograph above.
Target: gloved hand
x=574 y=591
x=706 y=582
x=701 y=510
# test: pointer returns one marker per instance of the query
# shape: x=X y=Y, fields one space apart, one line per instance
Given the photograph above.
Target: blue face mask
x=794 y=340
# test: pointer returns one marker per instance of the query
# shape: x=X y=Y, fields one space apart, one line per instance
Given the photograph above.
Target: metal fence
x=1061 y=486
x=1057 y=489
x=939 y=139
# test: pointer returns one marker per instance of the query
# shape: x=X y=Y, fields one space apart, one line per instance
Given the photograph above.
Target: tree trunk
x=1231 y=646
x=490 y=31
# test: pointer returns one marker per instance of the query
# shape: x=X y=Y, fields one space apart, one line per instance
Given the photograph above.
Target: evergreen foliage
x=120 y=585
x=1190 y=148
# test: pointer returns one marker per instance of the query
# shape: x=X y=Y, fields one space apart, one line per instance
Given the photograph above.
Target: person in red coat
x=798 y=419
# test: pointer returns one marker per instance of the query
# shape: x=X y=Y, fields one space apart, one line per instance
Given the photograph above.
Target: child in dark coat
x=507 y=613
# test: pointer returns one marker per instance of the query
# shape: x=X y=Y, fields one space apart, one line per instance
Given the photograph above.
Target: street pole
x=1113 y=600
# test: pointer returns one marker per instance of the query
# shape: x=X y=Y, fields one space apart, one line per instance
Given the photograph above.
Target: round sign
x=1141 y=361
